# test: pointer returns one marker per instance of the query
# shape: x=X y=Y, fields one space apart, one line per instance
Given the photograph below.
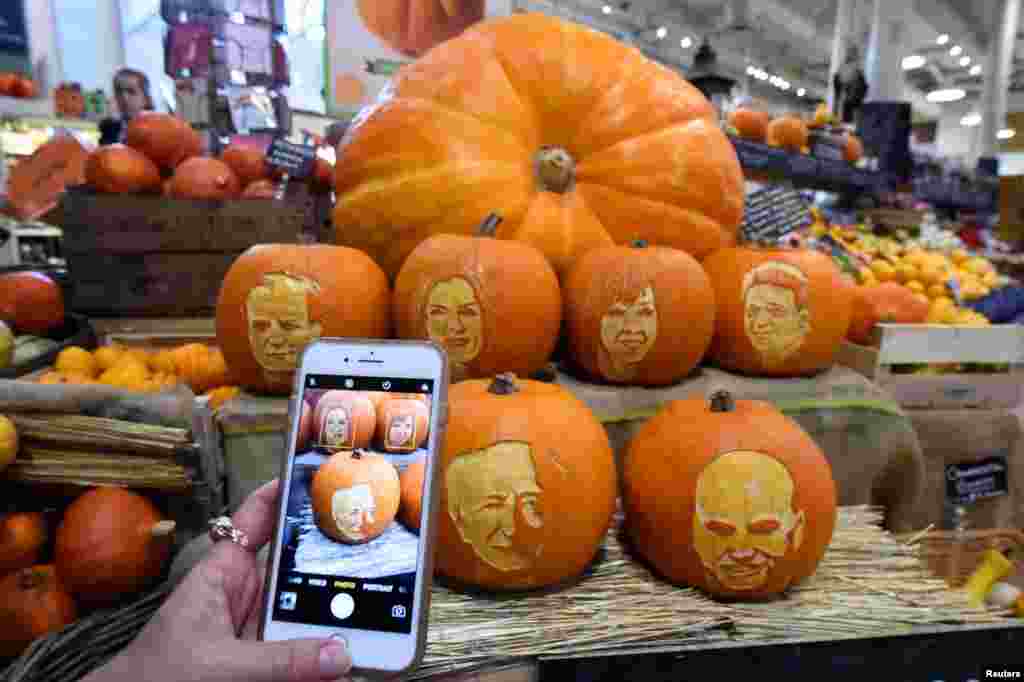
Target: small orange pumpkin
x=23 y=536
x=204 y=178
x=344 y=420
x=119 y=169
x=33 y=602
x=200 y=366
x=402 y=424
x=68 y=101
x=883 y=303
x=248 y=163
x=789 y=132
x=638 y=315
x=854 y=149
x=411 y=483
x=355 y=496
x=167 y=140
x=750 y=124
x=753 y=501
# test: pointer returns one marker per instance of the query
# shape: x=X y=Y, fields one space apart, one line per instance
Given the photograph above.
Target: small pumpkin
x=76 y=359
x=119 y=169
x=412 y=27
x=528 y=485
x=789 y=132
x=111 y=543
x=31 y=301
x=884 y=303
x=854 y=150
x=753 y=501
x=33 y=602
x=638 y=315
x=200 y=366
x=344 y=420
x=248 y=163
x=493 y=304
x=167 y=140
x=355 y=496
x=204 y=178
x=276 y=298
x=23 y=537
x=402 y=424
x=411 y=484
x=750 y=124
x=68 y=101
x=8 y=442
x=782 y=312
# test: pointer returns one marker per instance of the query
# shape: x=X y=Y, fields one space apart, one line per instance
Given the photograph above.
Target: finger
x=297 y=660
x=257 y=515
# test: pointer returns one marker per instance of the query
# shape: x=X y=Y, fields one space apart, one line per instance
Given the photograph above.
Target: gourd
x=8 y=442
x=31 y=301
x=33 y=602
x=355 y=496
x=248 y=163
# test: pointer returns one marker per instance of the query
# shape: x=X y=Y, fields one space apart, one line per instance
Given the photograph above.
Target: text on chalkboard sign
x=296 y=160
x=773 y=212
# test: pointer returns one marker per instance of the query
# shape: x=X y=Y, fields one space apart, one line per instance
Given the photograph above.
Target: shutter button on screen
x=342 y=606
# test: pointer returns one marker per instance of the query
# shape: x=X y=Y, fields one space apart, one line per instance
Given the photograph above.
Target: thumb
x=297 y=660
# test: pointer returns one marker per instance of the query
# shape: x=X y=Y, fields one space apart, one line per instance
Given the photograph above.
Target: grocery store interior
x=723 y=302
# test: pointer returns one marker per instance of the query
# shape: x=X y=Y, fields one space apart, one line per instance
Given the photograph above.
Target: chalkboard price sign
x=773 y=212
x=294 y=159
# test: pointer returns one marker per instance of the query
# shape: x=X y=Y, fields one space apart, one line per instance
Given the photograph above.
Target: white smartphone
x=342 y=562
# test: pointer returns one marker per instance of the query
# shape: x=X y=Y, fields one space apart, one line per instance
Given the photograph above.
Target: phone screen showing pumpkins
x=351 y=533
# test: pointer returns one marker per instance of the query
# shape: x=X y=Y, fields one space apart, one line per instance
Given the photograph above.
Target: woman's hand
x=204 y=631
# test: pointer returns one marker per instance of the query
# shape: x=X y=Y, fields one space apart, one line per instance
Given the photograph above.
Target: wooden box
x=932 y=344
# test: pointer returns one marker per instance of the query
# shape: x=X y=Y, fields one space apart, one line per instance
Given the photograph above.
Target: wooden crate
x=898 y=344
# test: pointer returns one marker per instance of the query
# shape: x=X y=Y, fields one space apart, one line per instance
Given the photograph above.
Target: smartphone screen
x=358 y=583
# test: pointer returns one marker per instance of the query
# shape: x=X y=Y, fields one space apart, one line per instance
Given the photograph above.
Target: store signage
x=773 y=212
x=294 y=159
x=979 y=480
x=13 y=30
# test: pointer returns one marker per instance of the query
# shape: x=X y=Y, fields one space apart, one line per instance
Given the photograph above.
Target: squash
x=752 y=499
x=576 y=145
x=111 y=543
x=854 y=149
x=33 y=602
x=750 y=124
x=119 y=169
x=23 y=537
x=31 y=302
x=204 y=178
x=248 y=163
x=782 y=312
x=528 y=485
x=493 y=304
x=355 y=496
x=884 y=303
x=789 y=132
x=76 y=359
x=638 y=315
x=343 y=420
x=411 y=27
x=402 y=425
x=276 y=298
x=411 y=485
x=8 y=442
x=200 y=366
x=167 y=140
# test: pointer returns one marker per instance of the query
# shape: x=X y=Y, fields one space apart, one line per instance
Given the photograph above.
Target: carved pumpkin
x=248 y=163
x=753 y=500
x=343 y=420
x=119 y=169
x=31 y=302
x=204 y=178
x=577 y=145
x=402 y=425
x=411 y=484
x=494 y=305
x=68 y=101
x=111 y=543
x=781 y=312
x=528 y=485
x=638 y=315
x=789 y=132
x=884 y=303
x=305 y=434
x=22 y=538
x=854 y=149
x=750 y=124
x=33 y=602
x=276 y=298
x=412 y=27
x=355 y=496
x=167 y=140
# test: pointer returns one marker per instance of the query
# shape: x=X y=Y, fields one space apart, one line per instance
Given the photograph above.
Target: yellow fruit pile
x=197 y=365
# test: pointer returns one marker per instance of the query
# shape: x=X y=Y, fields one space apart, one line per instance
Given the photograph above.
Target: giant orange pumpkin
x=884 y=303
x=167 y=140
x=528 y=485
x=638 y=315
x=402 y=424
x=343 y=420
x=728 y=496
x=750 y=124
x=412 y=27
x=575 y=145
x=33 y=602
x=276 y=298
x=494 y=305
x=355 y=496
x=110 y=544
x=781 y=312
x=117 y=169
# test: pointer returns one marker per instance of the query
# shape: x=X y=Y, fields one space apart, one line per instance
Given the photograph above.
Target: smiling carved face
x=628 y=332
x=337 y=429
x=454 y=319
x=402 y=431
x=775 y=314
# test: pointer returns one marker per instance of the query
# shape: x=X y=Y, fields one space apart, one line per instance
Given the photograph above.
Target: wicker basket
x=955 y=559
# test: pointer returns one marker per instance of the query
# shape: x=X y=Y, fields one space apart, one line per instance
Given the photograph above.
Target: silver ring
x=221 y=528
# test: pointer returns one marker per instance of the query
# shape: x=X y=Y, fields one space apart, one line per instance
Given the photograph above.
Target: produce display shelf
x=808 y=172
x=957 y=196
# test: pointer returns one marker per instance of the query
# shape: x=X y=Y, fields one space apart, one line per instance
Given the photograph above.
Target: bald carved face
x=352 y=510
x=279 y=322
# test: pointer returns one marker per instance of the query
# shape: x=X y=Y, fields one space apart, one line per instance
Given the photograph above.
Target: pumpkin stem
x=163 y=529
x=722 y=401
x=504 y=384
x=489 y=227
x=556 y=170
x=639 y=244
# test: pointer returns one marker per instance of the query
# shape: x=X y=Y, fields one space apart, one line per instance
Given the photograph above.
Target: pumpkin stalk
x=722 y=401
x=556 y=170
x=504 y=384
x=162 y=529
x=489 y=227
x=639 y=244
x=30 y=579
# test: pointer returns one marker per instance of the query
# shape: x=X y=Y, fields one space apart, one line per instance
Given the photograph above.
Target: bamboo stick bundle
x=98 y=433
x=45 y=465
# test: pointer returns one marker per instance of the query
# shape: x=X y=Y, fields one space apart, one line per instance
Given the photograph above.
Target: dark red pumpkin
x=23 y=536
x=31 y=302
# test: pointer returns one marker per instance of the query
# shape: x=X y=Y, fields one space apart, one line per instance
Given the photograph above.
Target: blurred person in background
x=131 y=90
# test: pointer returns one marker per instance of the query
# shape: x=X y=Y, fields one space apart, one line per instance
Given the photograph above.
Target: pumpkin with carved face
x=343 y=420
x=753 y=500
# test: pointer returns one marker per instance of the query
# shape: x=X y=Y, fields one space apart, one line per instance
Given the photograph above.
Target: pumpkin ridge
x=444 y=108
x=394 y=183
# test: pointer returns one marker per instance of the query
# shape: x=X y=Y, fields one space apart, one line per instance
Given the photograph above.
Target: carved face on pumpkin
x=485 y=490
x=352 y=509
x=336 y=431
x=280 y=325
x=775 y=314
x=628 y=332
x=745 y=521
x=402 y=432
x=455 y=319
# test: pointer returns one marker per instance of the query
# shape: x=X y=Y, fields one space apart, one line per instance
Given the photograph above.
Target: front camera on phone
x=386 y=385
x=349 y=383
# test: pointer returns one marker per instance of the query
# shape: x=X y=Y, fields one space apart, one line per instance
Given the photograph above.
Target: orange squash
x=248 y=163
x=577 y=145
x=753 y=502
x=200 y=366
x=167 y=140
x=344 y=420
x=528 y=485
x=204 y=178
x=276 y=298
x=781 y=312
x=111 y=543
x=789 y=132
x=750 y=124
x=33 y=602
x=854 y=149
x=402 y=425
x=23 y=536
x=355 y=496
x=884 y=303
x=638 y=315
x=118 y=169
x=493 y=304
x=411 y=485
x=31 y=302
x=412 y=27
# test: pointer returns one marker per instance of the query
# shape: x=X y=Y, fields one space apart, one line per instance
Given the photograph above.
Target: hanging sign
x=971 y=481
x=13 y=29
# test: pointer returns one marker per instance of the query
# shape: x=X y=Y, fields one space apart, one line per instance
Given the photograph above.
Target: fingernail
x=334 y=659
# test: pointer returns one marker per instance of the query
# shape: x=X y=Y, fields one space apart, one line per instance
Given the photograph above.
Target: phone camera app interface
x=350 y=541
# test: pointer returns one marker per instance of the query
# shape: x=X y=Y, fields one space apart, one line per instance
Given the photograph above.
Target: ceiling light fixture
x=801 y=92
x=607 y=9
x=965 y=61
x=662 y=32
x=946 y=95
x=971 y=120
x=976 y=70
x=1006 y=134
x=956 y=51
x=914 y=61
x=686 y=43
x=943 y=39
